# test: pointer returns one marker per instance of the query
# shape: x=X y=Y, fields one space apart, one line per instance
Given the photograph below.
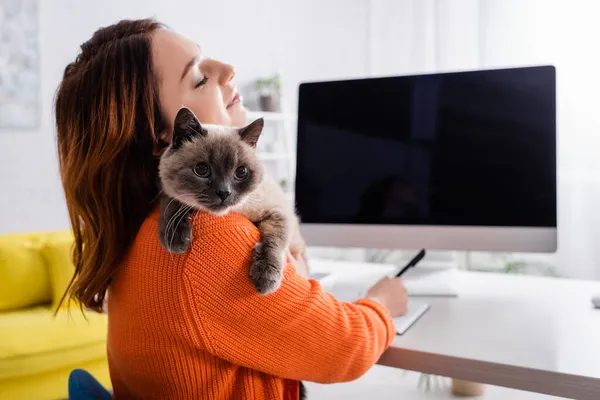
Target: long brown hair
x=108 y=120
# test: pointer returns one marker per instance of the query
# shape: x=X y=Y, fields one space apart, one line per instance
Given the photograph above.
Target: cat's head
x=211 y=167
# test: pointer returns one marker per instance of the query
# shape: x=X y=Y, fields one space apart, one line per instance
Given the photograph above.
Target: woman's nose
x=225 y=71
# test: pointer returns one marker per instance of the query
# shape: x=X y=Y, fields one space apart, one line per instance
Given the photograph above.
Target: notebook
x=415 y=310
x=349 y=293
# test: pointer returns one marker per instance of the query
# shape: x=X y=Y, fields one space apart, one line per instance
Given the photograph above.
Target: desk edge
x=516 y=377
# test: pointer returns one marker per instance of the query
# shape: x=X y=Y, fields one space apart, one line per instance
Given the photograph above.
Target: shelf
x=270 y=116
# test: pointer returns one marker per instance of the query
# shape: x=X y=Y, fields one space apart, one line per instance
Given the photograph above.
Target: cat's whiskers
x=182 y=215
x=170 y=225
x=167 y=207
x=170 y=221
x=179 y=199
x=174 y=216
x=188 y=195
x=157 y=195
x=177 y=216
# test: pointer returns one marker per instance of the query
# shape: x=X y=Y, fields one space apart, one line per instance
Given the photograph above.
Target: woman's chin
x=238 y=114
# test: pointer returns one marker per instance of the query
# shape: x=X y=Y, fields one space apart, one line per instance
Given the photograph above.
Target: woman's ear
x=161 y=143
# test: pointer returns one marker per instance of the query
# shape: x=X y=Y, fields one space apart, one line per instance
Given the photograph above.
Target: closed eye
x=201 y=83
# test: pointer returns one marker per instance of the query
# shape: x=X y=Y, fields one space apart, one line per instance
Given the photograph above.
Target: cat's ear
x=251 y=133
x=185 y=127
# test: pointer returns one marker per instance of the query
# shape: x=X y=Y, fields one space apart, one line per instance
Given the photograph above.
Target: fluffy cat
x=216 y=169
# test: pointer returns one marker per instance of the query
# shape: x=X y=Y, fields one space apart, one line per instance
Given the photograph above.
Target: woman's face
x=190 y=79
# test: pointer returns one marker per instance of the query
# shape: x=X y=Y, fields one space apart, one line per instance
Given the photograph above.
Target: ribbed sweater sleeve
x=298 y=332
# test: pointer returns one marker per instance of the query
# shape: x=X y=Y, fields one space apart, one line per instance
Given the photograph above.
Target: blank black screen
x=462 y=149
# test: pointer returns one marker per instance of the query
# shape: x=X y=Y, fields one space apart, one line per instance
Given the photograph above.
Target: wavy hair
x=108 y=121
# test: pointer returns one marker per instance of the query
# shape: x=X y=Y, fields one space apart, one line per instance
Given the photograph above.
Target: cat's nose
x=223 y=194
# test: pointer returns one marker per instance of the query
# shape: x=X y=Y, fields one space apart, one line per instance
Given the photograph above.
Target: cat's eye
x=202 y=170
x=241 y=173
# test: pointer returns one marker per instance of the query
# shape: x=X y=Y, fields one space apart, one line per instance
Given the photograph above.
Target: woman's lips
x=234 y=100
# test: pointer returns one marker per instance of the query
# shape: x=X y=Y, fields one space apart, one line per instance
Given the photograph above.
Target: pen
x=415 y=260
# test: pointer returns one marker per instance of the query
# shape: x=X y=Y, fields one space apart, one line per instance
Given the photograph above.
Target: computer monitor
x=449 y=161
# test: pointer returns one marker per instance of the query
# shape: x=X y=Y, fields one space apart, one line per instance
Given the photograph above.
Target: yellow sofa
x=37 y=349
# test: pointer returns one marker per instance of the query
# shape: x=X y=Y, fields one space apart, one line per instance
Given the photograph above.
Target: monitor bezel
x=452 y=238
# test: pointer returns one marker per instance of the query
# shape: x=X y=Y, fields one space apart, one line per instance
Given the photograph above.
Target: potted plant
x=269 y=90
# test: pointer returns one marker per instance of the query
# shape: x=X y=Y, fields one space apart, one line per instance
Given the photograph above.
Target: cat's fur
x=186 y=187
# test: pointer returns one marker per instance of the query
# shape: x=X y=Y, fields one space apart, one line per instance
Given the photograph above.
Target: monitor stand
x=431 y=282
x=427 y=281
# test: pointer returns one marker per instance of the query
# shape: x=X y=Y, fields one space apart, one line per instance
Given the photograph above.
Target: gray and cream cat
x=216 y=169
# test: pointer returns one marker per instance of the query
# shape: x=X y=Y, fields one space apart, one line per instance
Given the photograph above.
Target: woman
x=188 y=326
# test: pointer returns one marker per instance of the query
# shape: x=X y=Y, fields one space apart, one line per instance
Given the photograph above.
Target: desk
x=530 y=333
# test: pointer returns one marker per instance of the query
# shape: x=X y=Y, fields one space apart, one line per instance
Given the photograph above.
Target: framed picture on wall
x=19 y=65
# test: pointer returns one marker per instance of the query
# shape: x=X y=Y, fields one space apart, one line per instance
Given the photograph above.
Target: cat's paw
x=267 y=269
x=177 y=241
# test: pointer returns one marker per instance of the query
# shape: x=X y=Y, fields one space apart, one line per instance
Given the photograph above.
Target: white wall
x=420 y=36
x=301 y=39
x=332 y=39
x=304 y=40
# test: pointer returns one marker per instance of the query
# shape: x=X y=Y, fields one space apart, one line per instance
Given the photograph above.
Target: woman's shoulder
x=232 y=230
x=221 y=244
x=205 y=223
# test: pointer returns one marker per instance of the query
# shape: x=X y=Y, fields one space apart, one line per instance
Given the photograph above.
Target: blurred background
x=277 y=44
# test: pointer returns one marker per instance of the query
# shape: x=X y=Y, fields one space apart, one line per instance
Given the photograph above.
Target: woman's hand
x=299 y=263
x=392 y=294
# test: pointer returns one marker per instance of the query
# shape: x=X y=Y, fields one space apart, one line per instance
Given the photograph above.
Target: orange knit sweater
x=192 y=326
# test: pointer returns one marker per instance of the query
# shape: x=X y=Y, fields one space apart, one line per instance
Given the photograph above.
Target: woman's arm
x=298 y=332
